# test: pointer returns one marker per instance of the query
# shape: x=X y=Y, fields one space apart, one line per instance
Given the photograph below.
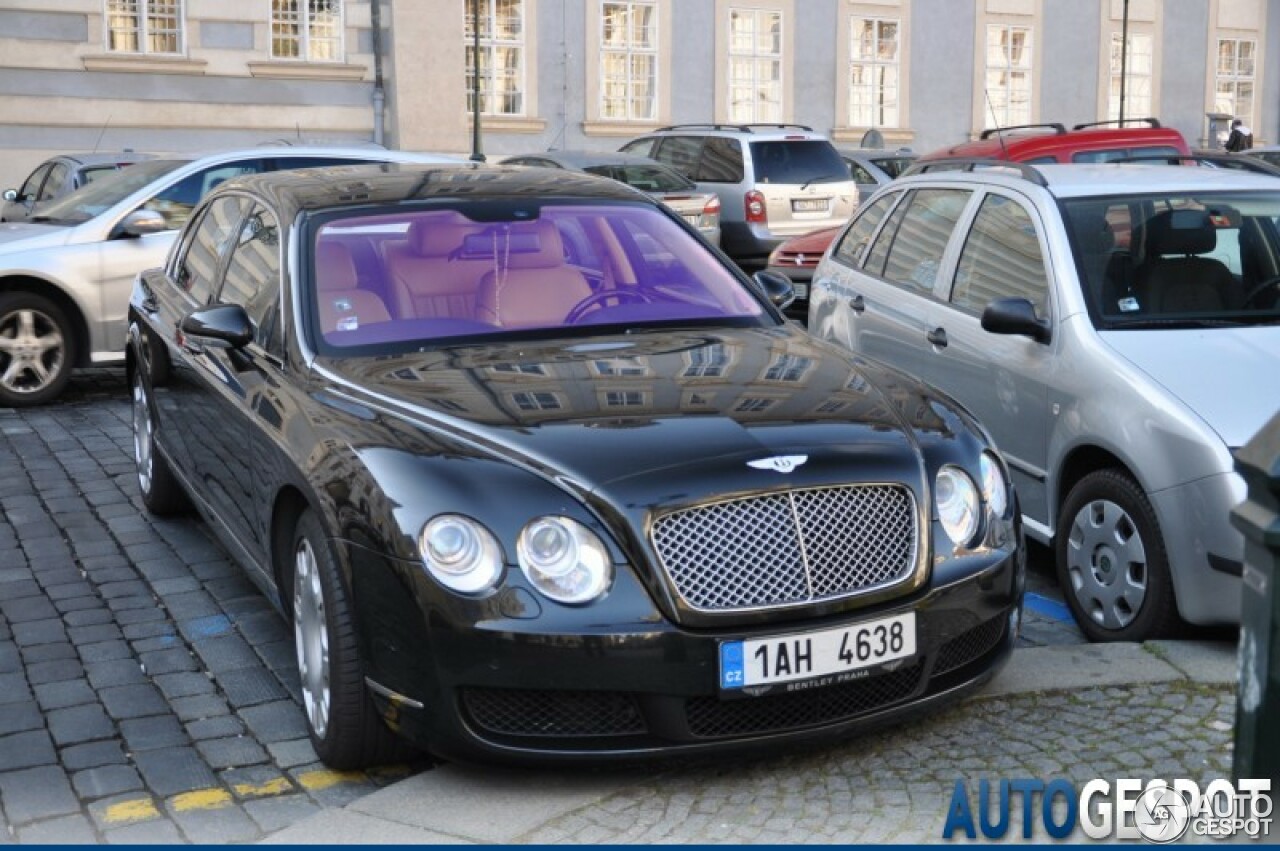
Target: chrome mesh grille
x=789 y=547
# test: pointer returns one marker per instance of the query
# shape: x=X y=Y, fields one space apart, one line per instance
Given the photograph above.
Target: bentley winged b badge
x=779 y=463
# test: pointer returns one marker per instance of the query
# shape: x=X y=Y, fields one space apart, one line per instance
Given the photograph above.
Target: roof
x=580 y=159
x=100 y=157
x=752 y=132
x=390 y=183
x=1095 y=180
x=1025 y=145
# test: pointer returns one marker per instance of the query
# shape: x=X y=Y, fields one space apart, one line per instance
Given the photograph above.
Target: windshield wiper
x=824 y=178
x=1183 y=322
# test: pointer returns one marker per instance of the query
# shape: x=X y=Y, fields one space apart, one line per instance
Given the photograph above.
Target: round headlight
x=957 y=499
x=994 y=488
x=460 y=553
x=564 y=560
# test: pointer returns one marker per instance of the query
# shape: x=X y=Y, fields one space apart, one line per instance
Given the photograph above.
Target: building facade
x=180 y=75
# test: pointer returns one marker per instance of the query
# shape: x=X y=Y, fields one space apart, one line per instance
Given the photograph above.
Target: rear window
x=646 y=178
x=1114 y=154
x=797 y=161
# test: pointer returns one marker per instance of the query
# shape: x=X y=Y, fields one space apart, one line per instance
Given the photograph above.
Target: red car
x=1038 y=144
x=797 y=258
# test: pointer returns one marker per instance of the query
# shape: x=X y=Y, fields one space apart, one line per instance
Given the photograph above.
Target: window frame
x=183 y=248
x=755 y=58
x=490 y=44
x=874 y=63
x=142 y=31
x=1113 y=76
x=628 y=52
x=966 y=223
x=266 y=334
x=946 y=257
x=304 y=34
x=1234 y=78
x=990 y=110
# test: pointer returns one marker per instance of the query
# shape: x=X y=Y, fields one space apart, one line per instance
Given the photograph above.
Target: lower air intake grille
x=970 y=645
x=523 y=712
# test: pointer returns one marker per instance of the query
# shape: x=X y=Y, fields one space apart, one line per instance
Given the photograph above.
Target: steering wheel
x=599 y=299
x=1261 y=288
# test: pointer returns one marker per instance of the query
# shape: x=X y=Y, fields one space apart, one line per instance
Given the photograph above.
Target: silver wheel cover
x=143 y=436
x=32 y=351
x=311 y=637
x=1107 y=564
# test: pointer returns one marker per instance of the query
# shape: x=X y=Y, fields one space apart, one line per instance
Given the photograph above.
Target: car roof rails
x=741 y=128
x=1028 y=172
x=1119 y=122
x=1058 y=129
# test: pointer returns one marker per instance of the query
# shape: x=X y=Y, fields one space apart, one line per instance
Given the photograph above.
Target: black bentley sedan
x=536 y=474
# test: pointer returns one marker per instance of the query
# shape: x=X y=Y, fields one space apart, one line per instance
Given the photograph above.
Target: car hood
x=1227 y=376
x=667 y=417
x=21 y=236
x=814 y=243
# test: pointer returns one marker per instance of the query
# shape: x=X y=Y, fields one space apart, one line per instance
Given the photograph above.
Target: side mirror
x=11 y=195
x=225 y=323
x=142 y=222
x=777 y=288
x=1015 y=316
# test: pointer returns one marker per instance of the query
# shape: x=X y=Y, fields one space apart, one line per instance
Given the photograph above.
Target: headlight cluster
x=959 y=500
x=564 y=560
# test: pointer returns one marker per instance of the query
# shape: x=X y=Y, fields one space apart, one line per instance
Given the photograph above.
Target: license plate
x=809 y=205
x=822 y=653
x=694 y=220
x=801 y=290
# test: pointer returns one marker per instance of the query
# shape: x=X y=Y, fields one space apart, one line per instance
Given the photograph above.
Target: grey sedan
x=59 y=175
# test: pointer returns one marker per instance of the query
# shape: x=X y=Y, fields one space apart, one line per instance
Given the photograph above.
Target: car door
x=19 y=209
x=1003 y=379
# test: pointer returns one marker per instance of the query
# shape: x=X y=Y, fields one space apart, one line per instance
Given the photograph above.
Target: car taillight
x=713 y=206
x=756 y=212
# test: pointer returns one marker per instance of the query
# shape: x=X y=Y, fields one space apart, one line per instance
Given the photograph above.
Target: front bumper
x=521 y=688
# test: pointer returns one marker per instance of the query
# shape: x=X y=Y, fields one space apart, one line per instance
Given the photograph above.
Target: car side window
x=32 y=185
x=56 y=180
x=721 y=161
x=253 y=273
x=177 y=202
x=640 y=147
x=286 y=163
x=197 y=268
x=681 y=153
x=860 y=174
x=856 y=239
x=915 y=256
x=1001 y=259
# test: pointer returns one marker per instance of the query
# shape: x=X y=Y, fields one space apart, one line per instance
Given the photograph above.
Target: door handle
x=938 y=336
x=857 y=304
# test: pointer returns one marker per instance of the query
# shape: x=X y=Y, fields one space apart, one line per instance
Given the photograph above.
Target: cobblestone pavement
x=148 y=691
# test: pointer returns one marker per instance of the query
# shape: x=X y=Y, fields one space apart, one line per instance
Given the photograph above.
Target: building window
x=873 y=72
x=788 y=368
x=1137 y=83
x=518 y=368
x=706 y=362
x=623 y=398
x=629 y=61
x=1008 y=80
x=536 y=401
x=1234 y=92
x=501 y=57
x=310 y=30
x=623 y=366
x=755 y=66
x=144 y=26
x=754 y=405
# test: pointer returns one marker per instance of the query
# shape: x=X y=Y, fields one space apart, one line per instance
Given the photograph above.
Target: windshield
x=797 y=161
x=646 y=178
x=403 y=279
x=1178 y=260
x=105 y=192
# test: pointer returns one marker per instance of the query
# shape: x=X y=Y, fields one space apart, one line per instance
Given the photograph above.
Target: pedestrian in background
x=1241 y=138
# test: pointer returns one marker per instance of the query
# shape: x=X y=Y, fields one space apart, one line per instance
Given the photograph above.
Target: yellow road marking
x=130 y=811
x=260 y=790
x=201 y=799
x=314 y=781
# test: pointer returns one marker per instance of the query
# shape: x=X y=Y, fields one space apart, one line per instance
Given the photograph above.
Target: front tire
x=161 y=492
x=37 y=350
x=346 y=730
x=1111 y=561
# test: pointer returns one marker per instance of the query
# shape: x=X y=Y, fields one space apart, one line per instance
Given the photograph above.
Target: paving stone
x=114 y=672
x=38 y=632
x=92 y=755
x=95 y=633
x=10 y=658
x=166 y=588
x=106 y=651
x=124 y=604
x=135 y=631
x=169 y=661
x=137 y=616
x=231 y=752
x=28 y=609
x=130 y=588
x=66 y=830
x=23 y=750
x=221 y=825
x=120 y=811
x=281 y=657
x=193 y=604
x=216 y=728
x=159 y=832
x=48 y=653
x=13 y=688
x=169 y=771
x=77 y=724
x=261 y=628
x=54 y=672
x=105 y=780
x=257 y=781
x=78 y=604
x=199 y=706
x=272 y=814
x=160 y=731
x=275 y=722
x=292 y=754
x=20 y=717
x=251 y=686
x=69 y=590
x=63 y=694
x=184 y=684
x=88 y=616
x=36 y=793
x=133 y=701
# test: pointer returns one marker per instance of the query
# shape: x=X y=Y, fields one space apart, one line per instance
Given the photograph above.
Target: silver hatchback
x=1116 y=328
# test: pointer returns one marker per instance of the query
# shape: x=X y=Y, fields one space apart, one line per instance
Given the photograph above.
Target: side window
x=177 y=202
x=32 y=186
x=860 y=174
x=856 y=238
x=1001 y=259
x=253 y=272
x=916 y=253
x=640 y=147
x=721 y=161
x=197 y=268
x=285 y=163
x=880 y=248
x=56 y=180
x=681 y=153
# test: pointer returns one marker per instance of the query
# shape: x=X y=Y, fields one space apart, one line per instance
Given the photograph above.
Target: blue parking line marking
x=1049 y=608
x=207 y=627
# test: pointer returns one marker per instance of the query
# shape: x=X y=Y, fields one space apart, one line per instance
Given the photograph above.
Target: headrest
x=436 y=238
x=550 y=251
x=1180 y=232
x=1093 y=233
x=335 y=270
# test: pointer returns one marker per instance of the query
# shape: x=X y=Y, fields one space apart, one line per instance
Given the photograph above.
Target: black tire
x=161 y=491
x=37 y=350
x=352 y=734
x=1111 y=561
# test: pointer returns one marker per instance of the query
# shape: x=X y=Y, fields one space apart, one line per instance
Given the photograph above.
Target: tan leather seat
x=1183 y=282
x=428 y=280
x=343 y=305
x=536 y=288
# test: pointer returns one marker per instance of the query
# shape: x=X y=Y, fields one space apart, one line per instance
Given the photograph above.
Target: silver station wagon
x=1116 y=328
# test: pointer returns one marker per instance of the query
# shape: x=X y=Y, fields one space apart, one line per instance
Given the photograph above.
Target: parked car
x=796 y=259
x=65 y=275
x=1116 y=328
x=874 y=167
x=1039 y=144
x=59 y=175
x=774 y=181
x=699 y=209
x=596 y=500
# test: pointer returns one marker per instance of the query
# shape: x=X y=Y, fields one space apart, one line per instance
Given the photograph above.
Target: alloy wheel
x=1107 y=563
x=143 y=436
x=32 y=351
x=311 y=637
